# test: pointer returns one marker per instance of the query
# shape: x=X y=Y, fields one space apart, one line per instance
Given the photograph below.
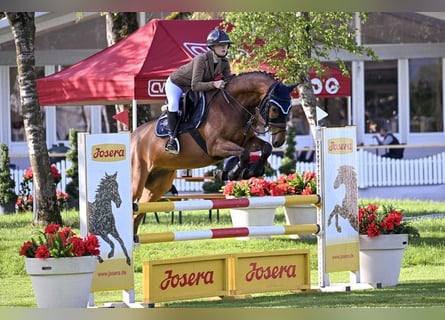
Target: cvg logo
x=156 y=88
x=331 y=85
x=195 y=48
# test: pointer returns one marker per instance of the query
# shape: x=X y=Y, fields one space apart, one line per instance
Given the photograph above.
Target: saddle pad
x=194 y=121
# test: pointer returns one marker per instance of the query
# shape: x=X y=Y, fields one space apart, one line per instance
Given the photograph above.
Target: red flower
x=78 y=248
x=91 y=244
x=42 y=252
x=29 y=175
x=374 y=221
x=57 y=241
x=296 y=183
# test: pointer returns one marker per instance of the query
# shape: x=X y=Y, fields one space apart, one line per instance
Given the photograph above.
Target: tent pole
x=134 y=113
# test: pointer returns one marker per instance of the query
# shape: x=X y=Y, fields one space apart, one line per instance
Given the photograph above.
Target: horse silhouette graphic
x=349 y=209
x=100 y=216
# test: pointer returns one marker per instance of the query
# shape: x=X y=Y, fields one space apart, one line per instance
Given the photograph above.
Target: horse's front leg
x=257 y=168
x=239 y=168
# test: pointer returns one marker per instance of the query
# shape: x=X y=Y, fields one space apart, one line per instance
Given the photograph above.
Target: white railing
x=376 y=171
x=17 y=175
x=372 y=171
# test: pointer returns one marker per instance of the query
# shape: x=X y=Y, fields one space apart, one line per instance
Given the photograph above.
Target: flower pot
x=61 y=282
x=301 y=214
x=247 y=217
x=381 y=258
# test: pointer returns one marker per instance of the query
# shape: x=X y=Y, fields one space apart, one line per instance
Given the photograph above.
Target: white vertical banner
x=340 y=238
x=106 y=206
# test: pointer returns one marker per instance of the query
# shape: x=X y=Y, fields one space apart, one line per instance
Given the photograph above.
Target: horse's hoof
x=218 y=175
x=221 y=175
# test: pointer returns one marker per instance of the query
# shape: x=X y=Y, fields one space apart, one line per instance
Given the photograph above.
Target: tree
x=292 y=43
x=23 y=29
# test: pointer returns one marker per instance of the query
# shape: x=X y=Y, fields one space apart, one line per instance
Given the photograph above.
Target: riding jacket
x=199 y=73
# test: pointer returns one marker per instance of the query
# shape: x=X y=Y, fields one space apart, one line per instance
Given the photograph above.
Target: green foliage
x=72 y=188
x=288 y=164
x=212 y=186
x=7 y=184
x=293 y=42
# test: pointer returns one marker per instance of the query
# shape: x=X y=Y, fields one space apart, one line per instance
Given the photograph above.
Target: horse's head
x=346 y=175
x=111 y=187
x=274 y=108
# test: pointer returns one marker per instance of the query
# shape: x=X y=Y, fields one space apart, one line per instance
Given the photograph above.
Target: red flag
x=122 y=117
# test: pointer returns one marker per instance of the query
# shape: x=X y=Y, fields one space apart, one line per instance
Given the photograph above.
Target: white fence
x=376 y=171
x=372 y=171
x=17 y=175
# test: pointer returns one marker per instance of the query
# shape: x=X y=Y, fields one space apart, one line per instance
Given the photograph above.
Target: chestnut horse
x=229 y=128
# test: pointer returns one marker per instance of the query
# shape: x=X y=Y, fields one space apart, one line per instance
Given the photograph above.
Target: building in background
x=402 y=92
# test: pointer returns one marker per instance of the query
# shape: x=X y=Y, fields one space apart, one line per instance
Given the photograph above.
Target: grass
x=421 y=282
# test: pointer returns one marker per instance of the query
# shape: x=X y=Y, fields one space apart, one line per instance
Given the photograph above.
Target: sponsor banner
x=106 y=206
x=340 y=199
x=185 y=278
x=225 y=275
x=271 y=271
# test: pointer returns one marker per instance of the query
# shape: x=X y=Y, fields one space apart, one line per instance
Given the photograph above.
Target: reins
x=263 y=109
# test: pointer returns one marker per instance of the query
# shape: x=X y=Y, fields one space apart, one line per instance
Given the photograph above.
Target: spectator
x=387 y=138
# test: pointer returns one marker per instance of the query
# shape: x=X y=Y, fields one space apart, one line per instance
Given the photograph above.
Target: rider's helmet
x=217 y=36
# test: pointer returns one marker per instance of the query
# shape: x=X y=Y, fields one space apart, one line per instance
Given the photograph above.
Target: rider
x=200 y=74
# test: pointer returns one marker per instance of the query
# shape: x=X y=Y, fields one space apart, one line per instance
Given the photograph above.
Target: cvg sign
x=156 y=88
x=331 y=86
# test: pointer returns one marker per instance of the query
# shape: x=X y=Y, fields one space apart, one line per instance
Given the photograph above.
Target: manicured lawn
x=421 y=283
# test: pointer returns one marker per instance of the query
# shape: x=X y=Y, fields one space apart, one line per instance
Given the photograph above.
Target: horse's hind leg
x=110 y=243
x=115 y=234
x=137 y=219
x=334 y=214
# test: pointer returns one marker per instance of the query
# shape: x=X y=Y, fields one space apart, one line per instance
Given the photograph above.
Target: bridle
x=263 y=109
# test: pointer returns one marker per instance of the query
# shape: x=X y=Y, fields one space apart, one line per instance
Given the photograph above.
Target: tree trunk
x=305 y=89
x=308 y=102
x=23 y=29
x=119 y=25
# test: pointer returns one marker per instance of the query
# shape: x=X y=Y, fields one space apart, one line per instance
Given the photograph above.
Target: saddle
x=192 y=111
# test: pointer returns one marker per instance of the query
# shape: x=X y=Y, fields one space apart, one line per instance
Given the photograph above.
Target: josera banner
x=106 y=207
x=340 y=199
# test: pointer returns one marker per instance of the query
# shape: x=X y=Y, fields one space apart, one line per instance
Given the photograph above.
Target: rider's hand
x=219 y=84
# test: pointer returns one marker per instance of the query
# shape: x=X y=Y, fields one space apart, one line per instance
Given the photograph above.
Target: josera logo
x=340 y=145
x=108 y=152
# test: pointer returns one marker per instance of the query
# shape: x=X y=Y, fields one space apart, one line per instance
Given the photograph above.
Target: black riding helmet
x=217 y=36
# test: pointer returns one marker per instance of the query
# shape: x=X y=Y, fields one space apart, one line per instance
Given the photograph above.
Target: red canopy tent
x=133 y=69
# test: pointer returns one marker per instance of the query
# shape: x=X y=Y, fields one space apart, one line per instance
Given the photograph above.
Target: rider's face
x=221 y=49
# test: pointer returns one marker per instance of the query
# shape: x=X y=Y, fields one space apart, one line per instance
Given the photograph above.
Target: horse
x=349 y=208
x=100 y=216
x=229 y=127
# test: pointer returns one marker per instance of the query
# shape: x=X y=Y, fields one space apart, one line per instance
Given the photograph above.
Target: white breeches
x=173 y=93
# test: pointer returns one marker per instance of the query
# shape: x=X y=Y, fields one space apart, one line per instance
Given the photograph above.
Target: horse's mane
x=247 y=73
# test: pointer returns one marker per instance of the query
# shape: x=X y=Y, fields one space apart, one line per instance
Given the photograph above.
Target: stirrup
x=172 y=146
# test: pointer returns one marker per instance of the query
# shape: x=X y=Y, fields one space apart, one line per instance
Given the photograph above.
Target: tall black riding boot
x=172 y=145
